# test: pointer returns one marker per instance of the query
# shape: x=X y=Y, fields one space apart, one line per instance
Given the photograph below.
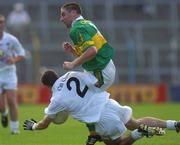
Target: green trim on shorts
x=98 y=74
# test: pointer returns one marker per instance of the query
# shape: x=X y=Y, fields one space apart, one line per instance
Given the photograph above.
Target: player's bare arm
x=13 y=60
x=86 y=56
x=33 y=125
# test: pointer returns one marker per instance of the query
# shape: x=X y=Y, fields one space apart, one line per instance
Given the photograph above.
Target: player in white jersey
x=11 y=52
x=75 y=92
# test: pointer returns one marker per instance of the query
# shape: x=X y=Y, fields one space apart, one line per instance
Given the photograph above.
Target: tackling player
x=75 y=93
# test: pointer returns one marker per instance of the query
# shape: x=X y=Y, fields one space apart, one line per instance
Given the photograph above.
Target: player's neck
x=77 y=17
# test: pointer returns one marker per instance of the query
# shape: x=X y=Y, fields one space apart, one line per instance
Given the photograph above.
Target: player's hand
x=92 y=139
x=10 y=60
x=28 y=124
x=68 y=47
x=68 y=65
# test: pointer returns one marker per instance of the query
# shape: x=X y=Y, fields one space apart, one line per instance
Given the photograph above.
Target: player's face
x=66 y=17
x=2 y=23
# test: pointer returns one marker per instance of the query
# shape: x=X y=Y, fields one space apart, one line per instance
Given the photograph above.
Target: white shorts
x=113 y=119
x=8 y=80
x=108 y=74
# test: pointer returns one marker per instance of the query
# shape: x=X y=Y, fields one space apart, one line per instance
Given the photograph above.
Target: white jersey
x=76 y=93
x=9 y=47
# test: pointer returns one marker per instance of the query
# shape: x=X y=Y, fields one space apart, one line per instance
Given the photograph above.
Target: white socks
x=14 y=126
x=136 y=135
x=170 y=124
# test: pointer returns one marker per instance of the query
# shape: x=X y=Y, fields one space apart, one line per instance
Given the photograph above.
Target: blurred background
x=144 y=33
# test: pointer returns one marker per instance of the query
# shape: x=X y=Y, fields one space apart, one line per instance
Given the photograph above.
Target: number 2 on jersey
x=80 y=92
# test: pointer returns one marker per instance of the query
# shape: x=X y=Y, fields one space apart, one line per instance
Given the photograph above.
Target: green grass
x=75 y=133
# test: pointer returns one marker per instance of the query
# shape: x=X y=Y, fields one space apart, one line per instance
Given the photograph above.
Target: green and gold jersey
x=85 y=34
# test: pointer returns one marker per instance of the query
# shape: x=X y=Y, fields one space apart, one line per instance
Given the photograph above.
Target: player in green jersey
x=93 y=51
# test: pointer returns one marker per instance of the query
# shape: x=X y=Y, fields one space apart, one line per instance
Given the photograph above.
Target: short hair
x=72 y=6
x=49 y=78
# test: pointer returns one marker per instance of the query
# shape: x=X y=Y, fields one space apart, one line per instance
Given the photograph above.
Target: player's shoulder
x=10 y=36
x=79 y=25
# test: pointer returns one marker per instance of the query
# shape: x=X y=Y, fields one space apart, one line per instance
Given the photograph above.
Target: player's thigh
x=10 y=88
x=9 y=79
x=108 y=75
x=8 y=83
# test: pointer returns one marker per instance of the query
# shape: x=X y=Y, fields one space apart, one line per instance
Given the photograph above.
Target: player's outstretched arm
x=32 y=125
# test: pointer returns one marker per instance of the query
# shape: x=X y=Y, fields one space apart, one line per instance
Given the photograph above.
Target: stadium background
x=145 y=35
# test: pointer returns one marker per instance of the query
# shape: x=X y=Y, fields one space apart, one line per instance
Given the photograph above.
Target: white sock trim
x=170 y=124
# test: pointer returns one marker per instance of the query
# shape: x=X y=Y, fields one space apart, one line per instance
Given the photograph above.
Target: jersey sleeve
x=17 y=47
x=81 y=39
x=53 y=108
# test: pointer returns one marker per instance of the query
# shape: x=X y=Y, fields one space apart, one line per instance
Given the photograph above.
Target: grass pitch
x=74 y=133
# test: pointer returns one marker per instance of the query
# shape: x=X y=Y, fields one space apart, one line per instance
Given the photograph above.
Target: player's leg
x=111 y=126
x=10 y=86
x=151 y=121
x=154 y=122
x=3 y=110
x=13 y=109
x=169 y=124
x=147 y=129
x=125 y=140
x=131 y=138
x=119 y=116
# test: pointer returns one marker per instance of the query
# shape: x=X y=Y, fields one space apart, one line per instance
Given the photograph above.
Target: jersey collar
x=78 y=18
